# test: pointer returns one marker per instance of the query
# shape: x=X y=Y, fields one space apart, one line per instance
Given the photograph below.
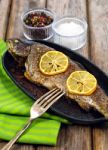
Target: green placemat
x=14 y=111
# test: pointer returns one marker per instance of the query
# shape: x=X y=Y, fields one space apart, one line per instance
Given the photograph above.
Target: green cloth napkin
x=14 y=112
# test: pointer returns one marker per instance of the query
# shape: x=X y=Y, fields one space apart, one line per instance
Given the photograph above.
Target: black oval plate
x=64 y=107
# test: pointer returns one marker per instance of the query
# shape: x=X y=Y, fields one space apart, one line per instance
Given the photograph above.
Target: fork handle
x=11 y=142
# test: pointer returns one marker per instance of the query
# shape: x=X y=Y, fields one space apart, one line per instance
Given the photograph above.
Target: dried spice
x=38 y=19
x=37 y=25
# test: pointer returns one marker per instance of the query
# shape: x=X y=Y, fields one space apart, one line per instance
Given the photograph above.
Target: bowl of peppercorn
x=37 y=24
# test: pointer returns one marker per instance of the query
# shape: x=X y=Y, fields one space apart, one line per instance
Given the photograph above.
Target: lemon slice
x=81 y=83
x=53 y=62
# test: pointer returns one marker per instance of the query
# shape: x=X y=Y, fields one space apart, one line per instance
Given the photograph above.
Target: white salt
x=71 y=33
x=69 y=29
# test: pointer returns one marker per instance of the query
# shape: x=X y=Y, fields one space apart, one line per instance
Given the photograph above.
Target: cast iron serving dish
x=64 y=107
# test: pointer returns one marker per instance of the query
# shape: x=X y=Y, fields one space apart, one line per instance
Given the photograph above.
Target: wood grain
x=72 y=137
x=4 y=13
x=98 y=18
x=73 y=8
x=18 y=8
x=4 y=16
x=15 y=30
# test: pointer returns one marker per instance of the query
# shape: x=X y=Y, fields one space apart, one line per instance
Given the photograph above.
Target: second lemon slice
x=81 y=83
x=53 y=62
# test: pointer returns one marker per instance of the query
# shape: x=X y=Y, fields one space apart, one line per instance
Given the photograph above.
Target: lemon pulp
x=81 y=83
x=53 y=62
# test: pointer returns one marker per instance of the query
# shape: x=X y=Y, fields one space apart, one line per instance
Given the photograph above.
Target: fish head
x=18 y=49
x=12 y=43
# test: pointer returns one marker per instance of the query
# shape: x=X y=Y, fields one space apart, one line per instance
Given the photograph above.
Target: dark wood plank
x=72 y=137
x=74 y=8
x=98 y=18
x=18 y=8
x=4 y=12
x=15 y=30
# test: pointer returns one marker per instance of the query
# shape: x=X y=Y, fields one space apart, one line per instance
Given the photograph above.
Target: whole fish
x=29 y=55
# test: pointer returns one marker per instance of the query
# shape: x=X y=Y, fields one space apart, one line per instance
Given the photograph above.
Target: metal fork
x=38 y=108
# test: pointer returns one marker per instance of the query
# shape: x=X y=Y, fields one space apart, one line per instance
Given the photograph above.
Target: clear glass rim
x=52 y=14
x=81 y=20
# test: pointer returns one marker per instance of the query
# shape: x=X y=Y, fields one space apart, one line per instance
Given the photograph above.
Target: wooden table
x=73 y=137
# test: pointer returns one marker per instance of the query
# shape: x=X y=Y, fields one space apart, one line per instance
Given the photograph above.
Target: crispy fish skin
x=32 y=54
x=98 y=100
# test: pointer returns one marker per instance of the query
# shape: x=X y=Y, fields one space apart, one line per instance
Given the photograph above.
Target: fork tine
x=46 y=94
x=48 y=99
x=54 y=100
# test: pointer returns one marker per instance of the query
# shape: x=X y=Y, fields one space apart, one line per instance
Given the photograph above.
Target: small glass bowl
x=71 y=41
x=37 y=33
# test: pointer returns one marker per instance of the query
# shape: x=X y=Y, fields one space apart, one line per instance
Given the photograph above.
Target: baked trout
x=30 y=56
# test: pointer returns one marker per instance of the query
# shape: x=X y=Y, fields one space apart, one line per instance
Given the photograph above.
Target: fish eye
x=16 y=41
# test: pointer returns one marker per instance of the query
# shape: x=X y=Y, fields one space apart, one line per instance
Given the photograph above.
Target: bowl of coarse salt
x=70 y=32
